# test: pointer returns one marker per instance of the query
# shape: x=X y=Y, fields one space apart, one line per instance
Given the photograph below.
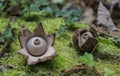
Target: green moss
x=109 y=56
x=66 y=56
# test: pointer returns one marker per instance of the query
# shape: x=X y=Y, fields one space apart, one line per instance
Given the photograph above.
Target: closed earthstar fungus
x=85 y=40
x=36 y=46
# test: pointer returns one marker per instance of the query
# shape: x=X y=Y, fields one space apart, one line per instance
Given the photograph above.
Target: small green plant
x=61 y=31
x=7 y=34
x=2 y=6
x=87 y=59
x=48 y=7
x=52 y=7
x=107 y=72
x=6 y=39
x=30 y=6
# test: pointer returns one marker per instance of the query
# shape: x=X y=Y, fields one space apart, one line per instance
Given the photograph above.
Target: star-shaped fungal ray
x=39 y=31
x=36 y=46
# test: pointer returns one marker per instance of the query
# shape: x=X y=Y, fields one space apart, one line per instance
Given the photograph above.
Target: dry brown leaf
x=104 y=18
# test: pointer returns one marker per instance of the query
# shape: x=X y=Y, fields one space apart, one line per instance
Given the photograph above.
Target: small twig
x=74 y=69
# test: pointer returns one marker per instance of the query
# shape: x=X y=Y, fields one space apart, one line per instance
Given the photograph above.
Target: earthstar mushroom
x=36 y=46
x=84 y=39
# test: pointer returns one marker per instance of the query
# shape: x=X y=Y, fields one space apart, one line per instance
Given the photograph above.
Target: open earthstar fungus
x=85 y=39
x=36 y=46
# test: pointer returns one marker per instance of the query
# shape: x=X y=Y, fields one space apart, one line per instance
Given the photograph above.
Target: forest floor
x=106 y=55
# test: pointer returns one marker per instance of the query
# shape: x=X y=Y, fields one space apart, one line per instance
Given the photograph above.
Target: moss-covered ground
x=107 y=55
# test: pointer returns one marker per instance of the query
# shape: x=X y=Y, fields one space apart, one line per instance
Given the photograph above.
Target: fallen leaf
x=104 y=18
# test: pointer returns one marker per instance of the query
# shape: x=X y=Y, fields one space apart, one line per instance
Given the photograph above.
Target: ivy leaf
x=70 y=16
x=1 y=39
x=2 y=1
x=87 y=59
x=8 y=34
x=6 y=39
x=107 y=72
x=48 y=10
x=34 y=7
x=56 y=9
x=63 y=13
x=41 y=2
x=25 y=9
x=57 y=1
x=1 y=7
x=71 y=20
x=61 y=30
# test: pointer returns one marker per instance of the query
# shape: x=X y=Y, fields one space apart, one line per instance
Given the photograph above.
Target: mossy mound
x=107 y=55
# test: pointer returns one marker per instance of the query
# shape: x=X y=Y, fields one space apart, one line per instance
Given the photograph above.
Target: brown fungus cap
x=85 y=40
x=36 y=46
